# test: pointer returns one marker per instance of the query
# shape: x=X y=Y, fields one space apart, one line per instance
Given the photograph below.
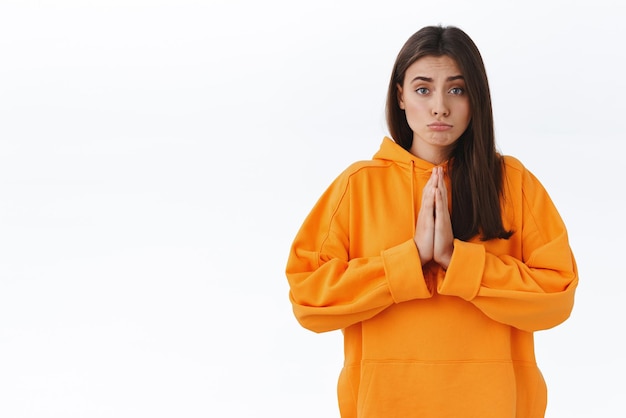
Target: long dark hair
x=477 y=170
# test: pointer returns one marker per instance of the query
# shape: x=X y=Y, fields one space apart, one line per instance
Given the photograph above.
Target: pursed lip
x=439 y=126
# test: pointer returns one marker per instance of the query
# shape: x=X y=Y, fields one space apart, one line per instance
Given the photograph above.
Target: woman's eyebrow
x=430 y=80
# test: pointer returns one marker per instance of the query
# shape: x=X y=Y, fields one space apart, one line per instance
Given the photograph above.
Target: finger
x=428 y=192
x=439 y=203
x=440 y=181
x=441 y=207
x=434 y=178
x=441 y=185
x=444 y=237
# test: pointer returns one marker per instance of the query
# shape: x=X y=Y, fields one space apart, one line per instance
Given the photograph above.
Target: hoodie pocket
x=437 y=389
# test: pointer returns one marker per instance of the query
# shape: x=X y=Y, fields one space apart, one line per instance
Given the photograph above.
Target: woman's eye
x=421 y=90
x=457 y=90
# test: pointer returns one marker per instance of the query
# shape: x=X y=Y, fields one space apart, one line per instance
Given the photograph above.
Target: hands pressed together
x=433 y=231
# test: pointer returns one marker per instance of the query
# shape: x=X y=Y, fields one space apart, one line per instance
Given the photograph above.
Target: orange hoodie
x=463 y=350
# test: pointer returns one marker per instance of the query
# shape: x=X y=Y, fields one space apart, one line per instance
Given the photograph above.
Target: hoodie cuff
x=403 y=270
x=465 y=271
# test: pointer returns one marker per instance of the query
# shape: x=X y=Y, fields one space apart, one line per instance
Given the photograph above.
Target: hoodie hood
x=391 y=151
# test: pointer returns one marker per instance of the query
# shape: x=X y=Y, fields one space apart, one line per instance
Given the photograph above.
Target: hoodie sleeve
x=531 y=292
x=328 y=289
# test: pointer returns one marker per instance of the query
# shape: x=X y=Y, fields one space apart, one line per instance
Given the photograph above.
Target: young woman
x=439 y=258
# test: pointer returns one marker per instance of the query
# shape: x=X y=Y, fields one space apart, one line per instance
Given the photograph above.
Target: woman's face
x=436 y=105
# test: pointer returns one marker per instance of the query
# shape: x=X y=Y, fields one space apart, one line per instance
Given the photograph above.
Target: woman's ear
x=400 y=96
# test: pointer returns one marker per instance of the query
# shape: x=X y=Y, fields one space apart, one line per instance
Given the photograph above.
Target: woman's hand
x=425 y=227
x=433 y=231
x=444 y=237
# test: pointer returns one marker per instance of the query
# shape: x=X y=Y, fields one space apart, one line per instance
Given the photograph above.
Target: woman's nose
x=440 y=107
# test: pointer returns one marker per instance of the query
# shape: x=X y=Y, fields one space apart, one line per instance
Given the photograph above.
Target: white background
x=158 y=157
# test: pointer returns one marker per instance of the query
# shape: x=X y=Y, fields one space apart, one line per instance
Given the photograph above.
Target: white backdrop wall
x=157 y=158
